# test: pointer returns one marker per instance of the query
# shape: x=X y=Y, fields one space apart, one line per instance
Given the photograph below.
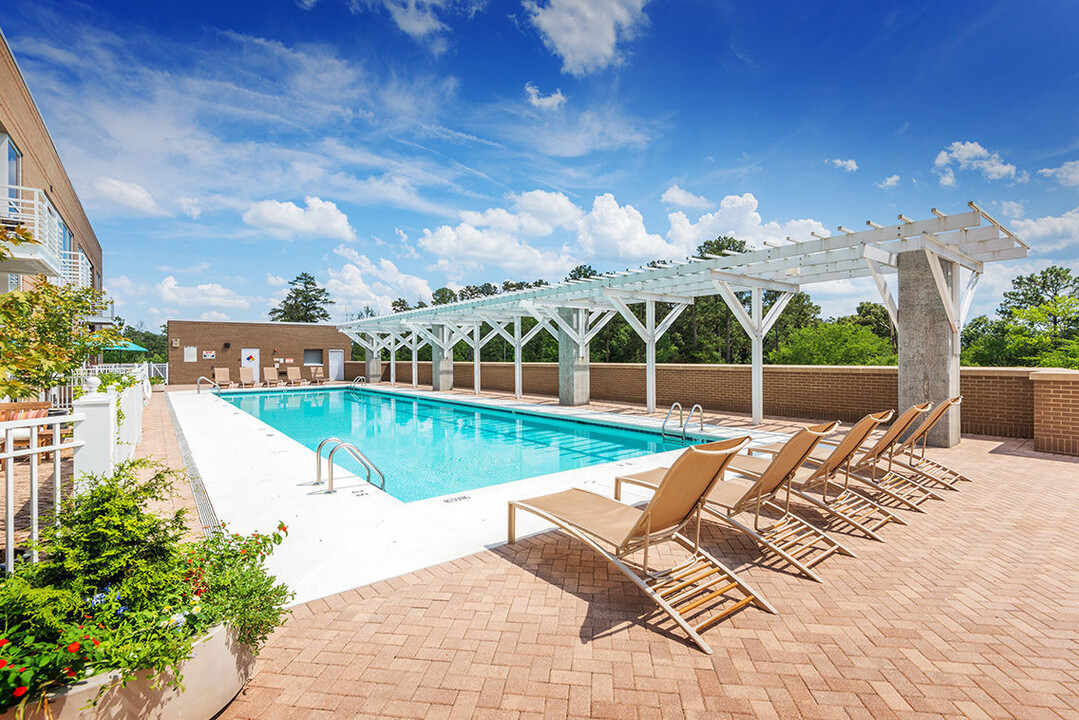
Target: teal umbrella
x=127 y=345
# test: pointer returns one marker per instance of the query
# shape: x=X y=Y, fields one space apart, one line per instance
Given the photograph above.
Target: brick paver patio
x=971 y=610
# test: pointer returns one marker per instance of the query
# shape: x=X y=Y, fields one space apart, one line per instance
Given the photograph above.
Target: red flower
x=283 y=528
x=70 y=672
x=20 y=691
x=73 y=647
x=3 y=664
x=4 y=642
x=96 y=642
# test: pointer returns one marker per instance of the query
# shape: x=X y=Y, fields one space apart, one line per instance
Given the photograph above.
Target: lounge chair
x=317 y=375
x=269 y=377
x=247 y=377
x=221 y=378
x=293 y=377
x=685 y=592
x=915 y=466
x=789 y=536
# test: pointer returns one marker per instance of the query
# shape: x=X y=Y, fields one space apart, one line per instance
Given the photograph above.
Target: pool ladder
x=198 y=384
x=358 y=380
x=684 y=425
x=355 y=453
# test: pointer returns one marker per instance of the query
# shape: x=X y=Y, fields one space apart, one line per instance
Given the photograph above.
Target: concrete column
x=372 y=369
x=928 y=348
x=442 y=361
x=573 y=371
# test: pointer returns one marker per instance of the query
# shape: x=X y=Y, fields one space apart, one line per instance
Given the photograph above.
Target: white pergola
x=577 y=310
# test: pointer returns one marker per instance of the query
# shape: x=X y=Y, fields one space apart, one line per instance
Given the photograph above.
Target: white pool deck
x=256 y=476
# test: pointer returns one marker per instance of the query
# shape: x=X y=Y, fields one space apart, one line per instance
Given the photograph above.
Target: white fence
x=62 y=396
x=103 y=429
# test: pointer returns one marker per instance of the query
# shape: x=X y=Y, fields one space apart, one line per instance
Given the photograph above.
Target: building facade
x=36 y=193
x=197 y=347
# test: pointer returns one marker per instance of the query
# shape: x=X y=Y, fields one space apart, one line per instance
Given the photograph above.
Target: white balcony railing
x=77 y=269
x=31 y=208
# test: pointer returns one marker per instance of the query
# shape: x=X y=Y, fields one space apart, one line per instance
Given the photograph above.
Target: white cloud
x=1011 y=209
x=190 y=207
x=737 y=216
x=275 y=280
x=127 y=194
x=320 y=219
x=544 y=102
x=613 y=230
x=210 y=294
x=849 y=165
x=972 y=156
x=586 y=33
x=214 y=315
x=362 y=281
x=1051 y=232
x=675 y=195
x=889 y=182
x=199 y=267
x=419 y=19
x=574 y=135
x=1067 y=174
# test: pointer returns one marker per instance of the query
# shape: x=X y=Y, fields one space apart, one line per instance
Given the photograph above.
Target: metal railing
x=198 y=384
x=358 y=380
x=351 y=450
x=31 y=208
x=32 y=432
x=76 y=269
x=663 y=428
x=689 y=419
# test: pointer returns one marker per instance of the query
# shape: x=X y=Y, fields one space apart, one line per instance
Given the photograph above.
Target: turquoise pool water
x=428 y=448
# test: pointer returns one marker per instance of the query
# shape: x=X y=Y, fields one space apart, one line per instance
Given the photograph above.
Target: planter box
x=217 y=670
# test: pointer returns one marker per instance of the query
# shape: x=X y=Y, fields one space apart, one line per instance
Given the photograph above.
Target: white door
x=249 y=357
x=337 y=364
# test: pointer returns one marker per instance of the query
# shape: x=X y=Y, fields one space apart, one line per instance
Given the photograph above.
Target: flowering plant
x=117 y=589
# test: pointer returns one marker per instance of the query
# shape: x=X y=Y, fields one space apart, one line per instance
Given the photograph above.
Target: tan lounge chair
x=221 y=378
x=247 y=377
x=317 y=375
x=685 y=592
x=915 y=466
x=269 y=377
x=293 y=377
x=788 y=536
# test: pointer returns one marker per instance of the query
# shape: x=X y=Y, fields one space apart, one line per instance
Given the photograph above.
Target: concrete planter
x=217 y=670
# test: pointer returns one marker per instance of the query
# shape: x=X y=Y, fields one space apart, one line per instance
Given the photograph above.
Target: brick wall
x=996 y=401
x=1056 y=416
x=281 y=340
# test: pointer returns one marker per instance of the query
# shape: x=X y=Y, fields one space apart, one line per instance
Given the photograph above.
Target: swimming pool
x=427 y=448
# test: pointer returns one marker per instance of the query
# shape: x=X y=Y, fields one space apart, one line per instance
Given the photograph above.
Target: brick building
x=37 y=193
x=197 y=347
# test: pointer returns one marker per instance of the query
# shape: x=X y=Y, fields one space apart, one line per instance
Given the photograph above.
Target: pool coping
x=360 y=534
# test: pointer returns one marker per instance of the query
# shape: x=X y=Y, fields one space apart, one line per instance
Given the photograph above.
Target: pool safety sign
x=249 y=357
x=209 y=354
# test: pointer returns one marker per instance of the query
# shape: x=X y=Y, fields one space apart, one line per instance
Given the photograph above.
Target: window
x=189 y=353
x=11 y=174
x=312 y=357
x=13 y=281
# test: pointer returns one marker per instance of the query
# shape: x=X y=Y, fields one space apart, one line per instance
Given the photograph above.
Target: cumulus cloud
x=127 y=194
x=675 y=195
x=375 y=283
x=196 y=268
x=586 y=33
x=1051 y=232
x=214 y=315
x=889 y=182
x=1067 y=174
x=614 y=230
x=1011 y=209
x=849 y=165
x=211 y=294
x=275 y=280
x=737 y=216
x=544 y=102
x=286 y=220
x=972 y=156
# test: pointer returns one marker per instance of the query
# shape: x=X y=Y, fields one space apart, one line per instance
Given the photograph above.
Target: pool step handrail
x=351 y=450
x=663 y=428
x=198 y=384
x=358 y=380
x=689 y=419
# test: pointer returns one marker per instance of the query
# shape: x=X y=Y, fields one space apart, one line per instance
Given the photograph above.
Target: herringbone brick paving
x=972 y=610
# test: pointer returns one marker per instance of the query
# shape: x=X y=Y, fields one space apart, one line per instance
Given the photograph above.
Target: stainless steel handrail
x=354 y=452
x=198 y=384
x=358 y=380
x=663 y=428
x=689 y=419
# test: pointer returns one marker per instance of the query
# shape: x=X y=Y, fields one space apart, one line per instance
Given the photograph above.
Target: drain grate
x=207 y=516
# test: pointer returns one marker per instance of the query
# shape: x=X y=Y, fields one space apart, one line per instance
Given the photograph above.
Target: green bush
x=117 y=589
x=837 y=343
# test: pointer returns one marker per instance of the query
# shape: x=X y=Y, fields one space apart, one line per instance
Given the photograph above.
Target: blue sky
x=390 y=147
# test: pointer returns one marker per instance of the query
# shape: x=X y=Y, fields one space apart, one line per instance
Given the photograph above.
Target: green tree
x=469 y=292
x=581 y=272
x=443 y=296
x=985 y=342
x=305 y=303
x=44 y=335
x=1034 y=333
x=1038 y=289
x=833 y=343
x=400 y=305
x=874 y=316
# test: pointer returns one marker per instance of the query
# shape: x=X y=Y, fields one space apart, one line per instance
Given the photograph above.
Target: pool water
x=427 y=448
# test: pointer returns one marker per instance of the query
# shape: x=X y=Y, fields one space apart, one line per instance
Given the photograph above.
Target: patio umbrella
x=127 y=345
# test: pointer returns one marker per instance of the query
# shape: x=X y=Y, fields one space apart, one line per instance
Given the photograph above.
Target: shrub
x=117 y=589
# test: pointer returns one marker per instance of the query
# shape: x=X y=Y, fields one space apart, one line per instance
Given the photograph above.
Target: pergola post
x=518 y=348
x=649 y=332
x=477 y=347
x=414 y=344
x=372 y=353
x=393 y=358
x=442 y=359
x=650 y=355
x=757 y=342
x=573 y=362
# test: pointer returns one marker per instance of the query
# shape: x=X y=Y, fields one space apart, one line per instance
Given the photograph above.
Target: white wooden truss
x=968 y=240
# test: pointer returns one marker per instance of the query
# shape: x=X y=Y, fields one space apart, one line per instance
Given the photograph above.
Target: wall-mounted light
x=228 y=345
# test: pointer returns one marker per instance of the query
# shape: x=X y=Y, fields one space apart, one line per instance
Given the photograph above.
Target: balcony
x=31 y=208
x=77 y=269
